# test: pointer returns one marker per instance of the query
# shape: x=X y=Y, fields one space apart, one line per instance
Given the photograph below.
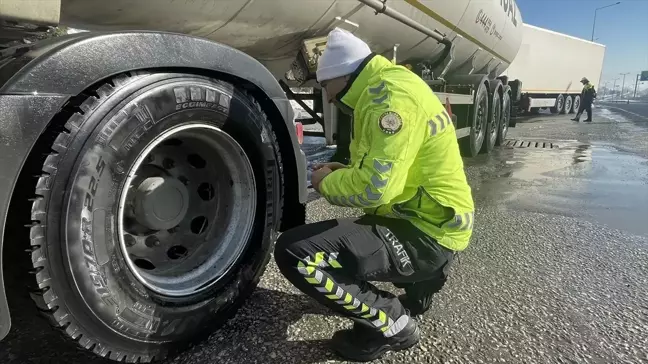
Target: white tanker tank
x=458 y=43
x=486 y=33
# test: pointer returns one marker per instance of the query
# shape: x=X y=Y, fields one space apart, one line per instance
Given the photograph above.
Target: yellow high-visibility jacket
x=405 y=159
x=588 y=94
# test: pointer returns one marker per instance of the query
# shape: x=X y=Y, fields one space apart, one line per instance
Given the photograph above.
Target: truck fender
x=36 y=80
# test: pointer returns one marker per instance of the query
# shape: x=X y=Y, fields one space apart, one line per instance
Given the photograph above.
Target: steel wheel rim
x=505 y=119
x=497 y=113
x=577 y=103
x=561 y=103
x=568 y=104
x=219 y=214
x=481 y=114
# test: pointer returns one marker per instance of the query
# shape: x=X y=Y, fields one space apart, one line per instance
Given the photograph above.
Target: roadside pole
x=643 y=76
x=623 y=84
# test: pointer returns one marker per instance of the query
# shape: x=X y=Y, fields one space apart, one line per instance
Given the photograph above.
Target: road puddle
x=594 y=181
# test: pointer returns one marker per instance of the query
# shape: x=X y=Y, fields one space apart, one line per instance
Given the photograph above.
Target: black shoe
x=588 y=120
x=574 y=119
x=413 y=307
x=365 y=344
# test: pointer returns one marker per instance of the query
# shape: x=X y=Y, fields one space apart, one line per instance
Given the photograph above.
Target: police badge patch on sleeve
x=390 y=122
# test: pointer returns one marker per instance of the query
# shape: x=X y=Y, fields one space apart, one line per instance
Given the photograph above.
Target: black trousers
x=585 y=106
x=333 y=261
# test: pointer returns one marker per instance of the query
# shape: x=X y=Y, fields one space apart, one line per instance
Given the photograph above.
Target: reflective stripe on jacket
x=405 y=159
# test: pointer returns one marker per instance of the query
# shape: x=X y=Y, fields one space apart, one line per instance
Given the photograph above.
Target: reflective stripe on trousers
x=324 y=283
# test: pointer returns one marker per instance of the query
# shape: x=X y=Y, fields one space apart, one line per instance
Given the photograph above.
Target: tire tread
x=44 y=295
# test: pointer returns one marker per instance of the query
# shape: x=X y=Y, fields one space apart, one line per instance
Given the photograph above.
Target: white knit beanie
x=343 y=54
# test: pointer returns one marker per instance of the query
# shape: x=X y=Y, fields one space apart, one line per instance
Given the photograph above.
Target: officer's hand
x=332 y=166
x=318 y=175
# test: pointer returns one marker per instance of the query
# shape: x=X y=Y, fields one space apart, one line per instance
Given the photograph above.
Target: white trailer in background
x=548 y=68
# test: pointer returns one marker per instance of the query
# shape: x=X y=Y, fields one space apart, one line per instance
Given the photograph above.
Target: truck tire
x=471 y=146
x=505 y=119
x=577 y=102
x=153 y=217
x=493 y=124
x=560 y=105
x=569 y=103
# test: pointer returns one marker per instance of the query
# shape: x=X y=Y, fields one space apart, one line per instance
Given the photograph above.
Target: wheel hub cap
x=161 y=203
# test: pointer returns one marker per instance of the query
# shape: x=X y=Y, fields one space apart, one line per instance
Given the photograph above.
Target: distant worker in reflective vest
x=407 y=175
x=587 y=99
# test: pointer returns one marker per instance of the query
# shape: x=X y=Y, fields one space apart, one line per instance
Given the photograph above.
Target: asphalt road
x=637 y=111
x=557 y=271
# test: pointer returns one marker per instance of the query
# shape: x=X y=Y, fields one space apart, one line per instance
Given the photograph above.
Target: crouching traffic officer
x=407 y=175
x=587 y=99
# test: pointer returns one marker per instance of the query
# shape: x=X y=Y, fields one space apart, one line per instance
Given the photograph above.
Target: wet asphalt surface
x=632 y=110
x=557 y=271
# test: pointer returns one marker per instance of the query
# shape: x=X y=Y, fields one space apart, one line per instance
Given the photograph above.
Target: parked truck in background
x=548 y=68
x=155 y=158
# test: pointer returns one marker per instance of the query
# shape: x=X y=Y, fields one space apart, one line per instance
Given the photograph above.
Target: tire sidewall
x=576 y=103
x=104 y=295
x=475 y=145
x=493 y=125
x=504 y=122
x=558 y=108
x=569 y=104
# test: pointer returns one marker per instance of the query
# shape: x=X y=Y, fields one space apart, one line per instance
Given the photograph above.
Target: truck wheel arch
x=41 y=77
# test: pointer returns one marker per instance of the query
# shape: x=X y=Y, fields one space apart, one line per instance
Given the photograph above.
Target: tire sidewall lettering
x=118 y=299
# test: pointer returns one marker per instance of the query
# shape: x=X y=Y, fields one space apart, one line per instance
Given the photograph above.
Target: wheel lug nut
x=168 y=163
x=184 y=180
x=129 y=240
x=152 y=242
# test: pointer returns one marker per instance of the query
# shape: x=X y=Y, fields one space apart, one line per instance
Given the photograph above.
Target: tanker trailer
x=154 y=159
x=548 y=69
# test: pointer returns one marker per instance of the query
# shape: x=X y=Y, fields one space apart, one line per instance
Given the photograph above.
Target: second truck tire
x=577 y=103
x=471 y=145
x=152 y=220
x=559 y=108
x=494 y=119
x=569 y=103
x=505 y=119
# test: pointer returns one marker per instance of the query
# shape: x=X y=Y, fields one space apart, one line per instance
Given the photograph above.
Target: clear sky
x=623 y=28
